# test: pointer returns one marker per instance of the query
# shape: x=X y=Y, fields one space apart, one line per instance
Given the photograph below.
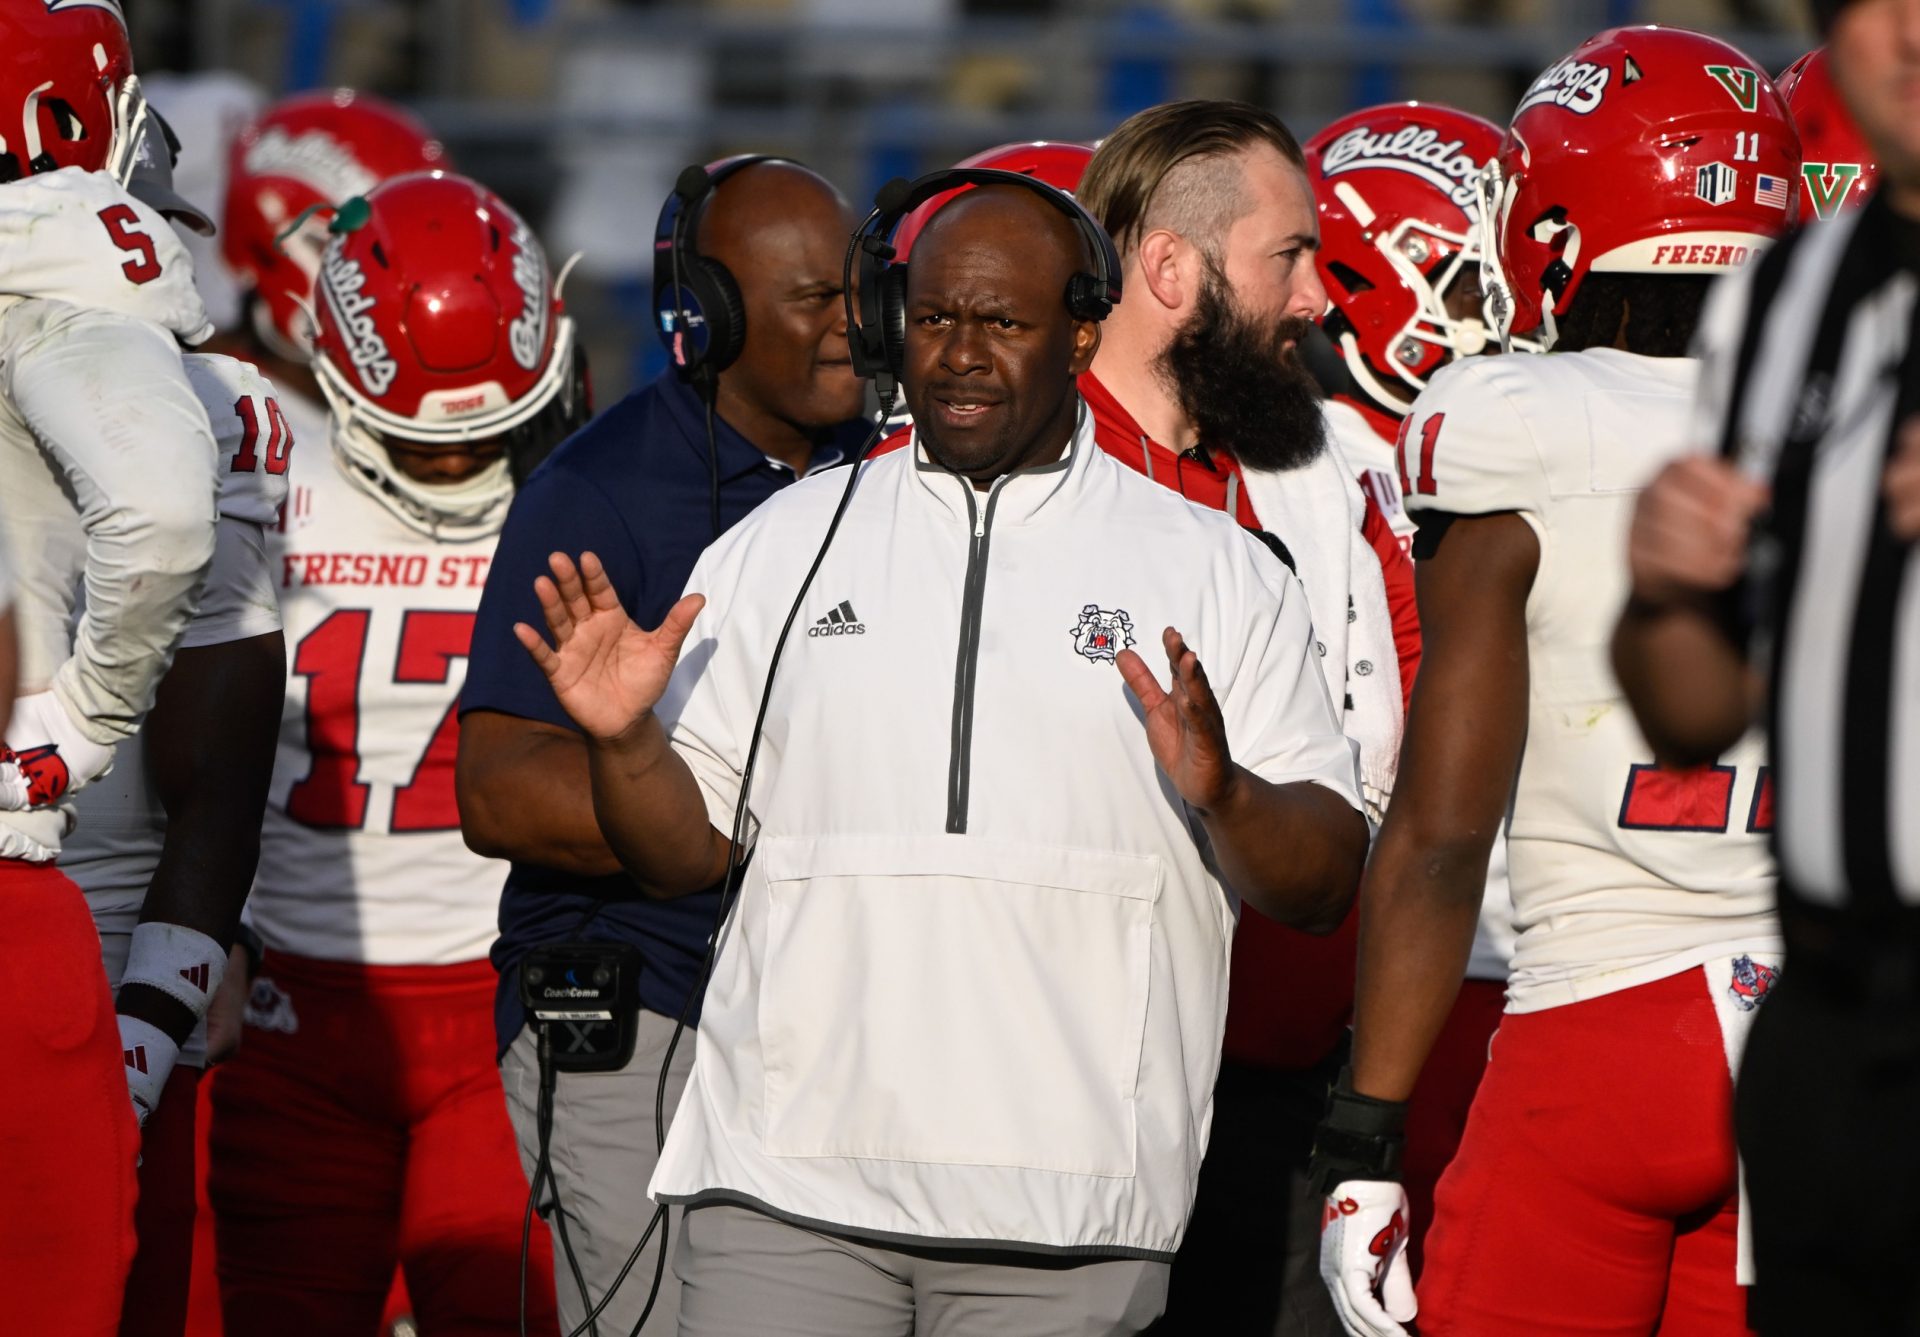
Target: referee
x=1779 y=582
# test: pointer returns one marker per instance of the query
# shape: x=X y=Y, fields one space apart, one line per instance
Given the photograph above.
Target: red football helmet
x=68 y=95
x=313 y=149
x=1837 y=168
x=1397 y=190
x=437 y=321
x=1645 y=151
x=1060 y=165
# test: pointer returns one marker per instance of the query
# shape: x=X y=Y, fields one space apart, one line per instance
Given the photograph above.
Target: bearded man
x=1199 y=384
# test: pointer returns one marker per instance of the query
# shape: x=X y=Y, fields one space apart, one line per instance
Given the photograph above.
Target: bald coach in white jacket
x=957 y=1055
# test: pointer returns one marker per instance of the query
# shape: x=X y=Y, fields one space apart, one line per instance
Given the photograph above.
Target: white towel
x=1739 y=984
x=1317 y=510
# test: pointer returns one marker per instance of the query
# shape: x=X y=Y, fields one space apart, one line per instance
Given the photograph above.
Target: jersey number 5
x=1423 y=484
x=331 y=657
x=123 y=226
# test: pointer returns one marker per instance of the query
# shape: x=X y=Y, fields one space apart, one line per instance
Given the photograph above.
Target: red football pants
x=68 y=1138
x=1594 y=1191
x=375 y=1132
x=1437 y=1111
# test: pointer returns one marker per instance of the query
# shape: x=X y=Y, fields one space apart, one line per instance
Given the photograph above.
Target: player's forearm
x=1419 y=907
x=526 y=794
x=652 y=813
x=1688 y=684
x=211 y=740
x=210 y=749
x=1294 y=852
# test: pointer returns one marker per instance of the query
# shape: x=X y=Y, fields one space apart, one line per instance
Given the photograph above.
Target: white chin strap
x=1497 y=305
x=129 y=124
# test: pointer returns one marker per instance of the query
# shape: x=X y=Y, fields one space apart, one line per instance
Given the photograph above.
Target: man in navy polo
x=635 y=487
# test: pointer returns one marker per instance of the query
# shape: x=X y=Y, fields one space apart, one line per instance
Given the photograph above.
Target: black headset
x=697 y=311
x=877 y=306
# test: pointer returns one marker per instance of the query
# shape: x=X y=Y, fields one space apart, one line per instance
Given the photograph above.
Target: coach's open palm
x=1184 y=725
x=605 y=671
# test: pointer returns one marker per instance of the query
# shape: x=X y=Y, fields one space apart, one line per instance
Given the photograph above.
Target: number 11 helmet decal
x=1644 y=151
x=440 y=324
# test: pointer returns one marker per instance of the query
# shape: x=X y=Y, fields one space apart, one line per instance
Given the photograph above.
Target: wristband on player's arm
x=1358 y=1138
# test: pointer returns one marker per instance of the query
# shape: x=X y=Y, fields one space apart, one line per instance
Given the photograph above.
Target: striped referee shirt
x=1810 y=364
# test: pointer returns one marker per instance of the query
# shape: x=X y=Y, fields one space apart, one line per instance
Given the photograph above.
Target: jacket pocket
x=954 y=1000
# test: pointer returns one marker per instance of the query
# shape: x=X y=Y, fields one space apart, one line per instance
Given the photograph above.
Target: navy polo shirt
x=633 y=487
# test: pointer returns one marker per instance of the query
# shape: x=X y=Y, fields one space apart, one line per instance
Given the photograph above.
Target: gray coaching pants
x=603 y=1153
x=745 y=1274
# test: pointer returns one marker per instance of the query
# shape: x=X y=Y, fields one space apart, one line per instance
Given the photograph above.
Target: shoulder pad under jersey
x=1466 y=447
x=79 y=237
x=255 y=440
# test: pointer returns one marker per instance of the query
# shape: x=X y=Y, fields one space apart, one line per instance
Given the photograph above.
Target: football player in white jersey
x=107 y=485
x=1396 y=189
x=363 y=1121
x=1595 y=1187
x=166 y=842
x=169 y=838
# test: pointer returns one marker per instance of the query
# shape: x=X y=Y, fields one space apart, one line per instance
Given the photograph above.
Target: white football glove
x=1363 y=1257
x=35 y=836
x=46 y=757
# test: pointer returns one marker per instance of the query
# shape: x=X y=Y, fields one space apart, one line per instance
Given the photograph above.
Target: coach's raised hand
x=1293 y=851
x=607 y=673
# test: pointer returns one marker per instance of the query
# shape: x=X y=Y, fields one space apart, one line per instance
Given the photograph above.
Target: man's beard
x=1245 y=391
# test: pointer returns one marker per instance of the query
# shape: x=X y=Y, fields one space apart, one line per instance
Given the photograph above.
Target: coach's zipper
x=966 y=668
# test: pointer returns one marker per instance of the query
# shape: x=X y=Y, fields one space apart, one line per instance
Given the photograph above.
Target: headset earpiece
x=893 y=316
x=1087 y=298
x=698 y=311
x=727 y=312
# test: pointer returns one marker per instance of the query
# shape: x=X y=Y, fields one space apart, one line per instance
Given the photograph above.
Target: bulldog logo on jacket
x=1102 y=633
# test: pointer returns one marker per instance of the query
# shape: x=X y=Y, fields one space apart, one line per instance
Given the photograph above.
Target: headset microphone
x=693 y=182
x=891 y=196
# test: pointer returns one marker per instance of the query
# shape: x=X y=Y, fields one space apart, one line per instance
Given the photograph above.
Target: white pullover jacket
x=974 y=989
